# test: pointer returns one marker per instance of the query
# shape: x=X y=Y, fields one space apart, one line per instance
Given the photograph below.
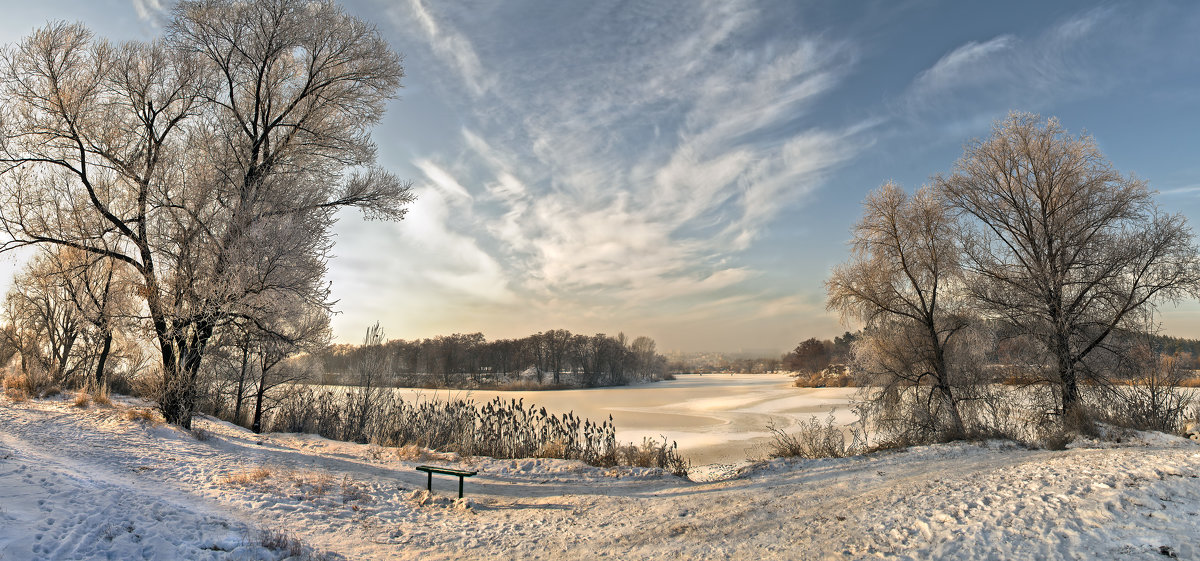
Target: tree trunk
x=180 y=372
x=256 y=426
x=942 y=386
x=101 y=381
x=1068 y=381
x=241 y=387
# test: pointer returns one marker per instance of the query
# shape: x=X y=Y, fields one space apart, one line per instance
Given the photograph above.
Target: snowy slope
x=90 y=484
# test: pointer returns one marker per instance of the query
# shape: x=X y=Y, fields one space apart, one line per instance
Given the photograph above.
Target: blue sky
x=690 y=170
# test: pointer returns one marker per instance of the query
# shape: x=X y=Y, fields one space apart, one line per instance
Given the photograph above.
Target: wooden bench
x=430 y=470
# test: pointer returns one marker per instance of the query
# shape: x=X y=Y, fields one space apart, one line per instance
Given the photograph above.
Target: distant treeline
x=813 y=358
x=555 y=357
x=1186 y=350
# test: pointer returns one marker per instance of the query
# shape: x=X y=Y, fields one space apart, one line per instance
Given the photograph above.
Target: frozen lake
x=715 y=418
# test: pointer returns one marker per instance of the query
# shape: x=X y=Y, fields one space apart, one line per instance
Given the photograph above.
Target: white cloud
x=450 y=45
x=149 y=10
x=442 y=179
x=963 y=65
x=1008 y=72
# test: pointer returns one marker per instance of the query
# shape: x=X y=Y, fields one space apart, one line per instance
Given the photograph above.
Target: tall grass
x=498 y=428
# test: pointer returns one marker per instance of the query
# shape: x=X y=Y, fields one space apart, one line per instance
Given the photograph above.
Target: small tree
x=46 y=327
x=900 y=282
x=1061 y=246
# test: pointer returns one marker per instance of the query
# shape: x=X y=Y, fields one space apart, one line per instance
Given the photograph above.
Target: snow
x=91 y=484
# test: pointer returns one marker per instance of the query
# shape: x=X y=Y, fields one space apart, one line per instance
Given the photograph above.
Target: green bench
x=430 y=470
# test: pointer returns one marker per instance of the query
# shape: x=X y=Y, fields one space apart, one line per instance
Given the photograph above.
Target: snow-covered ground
x=92 y=484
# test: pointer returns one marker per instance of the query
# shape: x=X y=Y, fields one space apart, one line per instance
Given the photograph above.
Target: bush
x=32 y=382
x=17 y=395
x=652 y=454
x=814 y=439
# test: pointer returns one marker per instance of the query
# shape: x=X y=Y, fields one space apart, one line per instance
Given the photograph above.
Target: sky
x=691 y=170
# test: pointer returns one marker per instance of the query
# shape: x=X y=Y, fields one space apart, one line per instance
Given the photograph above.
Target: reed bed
x=498 y=428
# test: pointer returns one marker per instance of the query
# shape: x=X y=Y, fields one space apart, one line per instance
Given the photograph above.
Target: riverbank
x=715 y=418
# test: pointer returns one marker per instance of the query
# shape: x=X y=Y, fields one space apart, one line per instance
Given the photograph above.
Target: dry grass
x=414 y=453
x=301 y=485
x=354 y=491
x=311 y=484
x=33 y=383
x=553 y=449
x=248 y=477
x=17 y=395
x=100 y=399
x=1190 y=382
x=82 y=400
x=279 y=540
x=142 y=414
x=813 y=439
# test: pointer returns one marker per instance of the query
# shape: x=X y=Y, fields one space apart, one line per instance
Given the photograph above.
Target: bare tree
x=211 y=162
x=100 y=291
x=300 y=330
x=1061 y=245
x=900 y=280
x=45 y=327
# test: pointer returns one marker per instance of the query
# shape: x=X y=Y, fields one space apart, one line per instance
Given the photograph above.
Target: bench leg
x=429 y=482
x=460 y=478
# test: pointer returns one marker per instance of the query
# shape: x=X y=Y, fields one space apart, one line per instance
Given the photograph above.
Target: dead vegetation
x=498 y=428
x=142 y=414
x=301 y=485
x=247 y=478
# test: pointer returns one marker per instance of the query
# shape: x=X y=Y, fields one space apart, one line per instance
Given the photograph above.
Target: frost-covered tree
x=1061 y=246
x=211 y=162
x=901 y=282
x=44 y=326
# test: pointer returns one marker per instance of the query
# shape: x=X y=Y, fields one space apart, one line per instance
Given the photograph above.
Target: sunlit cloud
x=641 y=181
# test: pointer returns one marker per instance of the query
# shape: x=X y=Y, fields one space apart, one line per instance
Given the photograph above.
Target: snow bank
x=91 y=484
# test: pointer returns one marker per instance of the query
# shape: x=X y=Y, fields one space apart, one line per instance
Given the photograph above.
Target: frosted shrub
x=814 y=439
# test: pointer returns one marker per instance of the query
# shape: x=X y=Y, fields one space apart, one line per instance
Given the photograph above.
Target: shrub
x=652 y=454
x=814 y=439
x=82 y=400
x=31 y=383
x=17 y=395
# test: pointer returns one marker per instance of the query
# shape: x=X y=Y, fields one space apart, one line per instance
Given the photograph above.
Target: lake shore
x=715 y=418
